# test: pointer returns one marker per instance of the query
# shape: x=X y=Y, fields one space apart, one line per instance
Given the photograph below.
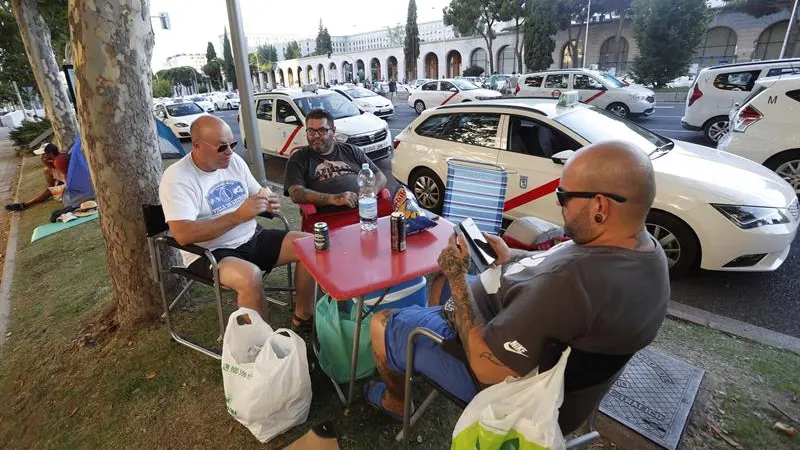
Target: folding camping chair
x=310 y=215
x=475 y=189
x=611 y=369
x=157 y=237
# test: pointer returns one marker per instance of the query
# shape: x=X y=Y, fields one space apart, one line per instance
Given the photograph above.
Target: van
x=595 y=88
x=718 y=89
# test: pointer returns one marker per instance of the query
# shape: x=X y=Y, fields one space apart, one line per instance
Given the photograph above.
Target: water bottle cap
x=365 y=166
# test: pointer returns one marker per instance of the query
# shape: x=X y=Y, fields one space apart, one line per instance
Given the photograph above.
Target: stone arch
x=320 y=73
x=347 y=72
x=506 y=61
x=608 y=55
x=374 y=69
x=454 y=68
x=392 y=70
x=361 y=72
x=299 y=76
x=273 y=80
x=719 y=47
x=309 y=74
x=571 y=54
x=332 y=72
x=770 y=42
x=290 y=76
x=282 y=78
x=479 y=57
x=431 y=66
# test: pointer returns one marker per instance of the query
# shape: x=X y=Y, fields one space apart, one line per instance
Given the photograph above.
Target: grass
x=61 y=390
x=683 y=89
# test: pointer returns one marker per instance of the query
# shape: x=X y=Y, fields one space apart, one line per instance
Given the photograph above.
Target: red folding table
x=359 y=262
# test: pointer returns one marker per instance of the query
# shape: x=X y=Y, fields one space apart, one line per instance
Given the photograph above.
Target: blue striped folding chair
x=475 y=189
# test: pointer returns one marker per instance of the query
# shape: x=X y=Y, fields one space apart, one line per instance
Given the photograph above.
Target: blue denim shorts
x=429 y=358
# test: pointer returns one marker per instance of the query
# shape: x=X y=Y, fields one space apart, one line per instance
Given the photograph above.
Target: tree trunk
x=491 y=54
x=618 y=41
x=516 y=46
x=112 y=44
x=578 y=49
x=36 y=38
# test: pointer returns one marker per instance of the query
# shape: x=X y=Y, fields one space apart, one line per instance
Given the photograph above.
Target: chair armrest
x=307 y=209
x=270 y=215
x=191 y=248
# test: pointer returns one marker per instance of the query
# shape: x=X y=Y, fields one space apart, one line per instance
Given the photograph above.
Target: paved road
x=770 y=300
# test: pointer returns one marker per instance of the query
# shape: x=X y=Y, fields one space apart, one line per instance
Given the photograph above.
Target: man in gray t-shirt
x=604 y=294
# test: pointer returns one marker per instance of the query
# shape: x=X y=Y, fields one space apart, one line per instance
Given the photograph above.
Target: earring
x=599 y=218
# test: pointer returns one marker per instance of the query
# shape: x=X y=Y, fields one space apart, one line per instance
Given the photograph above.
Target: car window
x=433 y=126
x=464 y=85
x=264 y=109
x=783 y=71
x=794 y=95
x=429 y=86
x=184 y=109
x=534 y=81
x=336 y=104
x=474 y=129
x=612 y=80
x=529 y=137
x=736 y=81
x=284 y=110
x=557 y=81
x=586 y=82
x=596 y=124
x=445 y=85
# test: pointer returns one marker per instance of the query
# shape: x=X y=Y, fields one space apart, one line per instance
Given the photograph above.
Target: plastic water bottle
x=367 y=200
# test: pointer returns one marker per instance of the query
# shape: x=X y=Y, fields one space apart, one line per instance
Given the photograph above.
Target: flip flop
x=15 y=206
x=373 y=393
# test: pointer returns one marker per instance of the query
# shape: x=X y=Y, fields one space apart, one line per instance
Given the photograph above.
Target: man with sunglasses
x=325 y=172
x=211 y=199
x=604 y=294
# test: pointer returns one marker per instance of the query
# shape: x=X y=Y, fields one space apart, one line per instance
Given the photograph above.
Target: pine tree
x=324 y=45
x=539 y=33
x=411 y=41
x=227 y=63
x=211 y=54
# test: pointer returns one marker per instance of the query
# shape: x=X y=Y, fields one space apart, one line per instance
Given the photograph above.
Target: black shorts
x=262 y=250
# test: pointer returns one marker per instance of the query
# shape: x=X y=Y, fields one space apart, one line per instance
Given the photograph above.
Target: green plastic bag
x=335 y=331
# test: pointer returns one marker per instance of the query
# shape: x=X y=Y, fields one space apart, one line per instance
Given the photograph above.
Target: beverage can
x=322 y=238
x=398 y=229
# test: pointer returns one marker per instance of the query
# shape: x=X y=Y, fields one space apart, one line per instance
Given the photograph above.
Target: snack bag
x=416 y=220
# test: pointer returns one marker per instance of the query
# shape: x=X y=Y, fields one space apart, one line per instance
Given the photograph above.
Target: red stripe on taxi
x=533 y=194
x=449 y=98
x=588 y=100
x=289 y=141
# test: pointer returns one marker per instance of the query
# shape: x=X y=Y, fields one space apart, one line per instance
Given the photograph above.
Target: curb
x=8 y=265
x=734 y=327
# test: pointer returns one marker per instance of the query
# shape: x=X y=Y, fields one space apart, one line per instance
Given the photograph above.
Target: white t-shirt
x=188 y=193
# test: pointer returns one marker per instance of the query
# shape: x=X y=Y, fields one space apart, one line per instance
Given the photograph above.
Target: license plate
x=373 y=147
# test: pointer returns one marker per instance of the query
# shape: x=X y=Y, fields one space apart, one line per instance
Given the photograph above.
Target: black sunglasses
x=563 y=196
x=223 y=147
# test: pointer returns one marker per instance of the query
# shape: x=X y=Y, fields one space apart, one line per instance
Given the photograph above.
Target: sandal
x=300 y=324
x=15 y=206
x=373 y=393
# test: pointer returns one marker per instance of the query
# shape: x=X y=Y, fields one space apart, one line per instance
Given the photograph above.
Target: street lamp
x=586 y=34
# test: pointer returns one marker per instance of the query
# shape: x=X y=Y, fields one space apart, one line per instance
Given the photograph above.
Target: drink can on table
x=322 y=237
x=398 y=227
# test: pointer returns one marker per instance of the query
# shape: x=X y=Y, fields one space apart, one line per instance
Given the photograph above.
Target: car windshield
x=464 y=85
x=184 y=109
x=612 y=80
x=596 y=124
x=360 y=93
x=198 y=99
x=231 y=96
x=336 y=104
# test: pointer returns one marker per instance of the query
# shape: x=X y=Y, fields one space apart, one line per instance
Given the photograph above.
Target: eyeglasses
x=319 y=132
x=564 y=196
x=222 y=147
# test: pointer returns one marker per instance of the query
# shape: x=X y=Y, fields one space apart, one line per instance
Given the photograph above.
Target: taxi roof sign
x=569 y=98
x=309 y=87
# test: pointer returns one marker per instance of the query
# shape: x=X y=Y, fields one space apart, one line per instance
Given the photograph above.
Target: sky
x=196 y=22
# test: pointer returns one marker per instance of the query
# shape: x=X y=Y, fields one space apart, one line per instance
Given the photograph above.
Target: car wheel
x=419 y=106
x=428 y=189
x=787 y=165
x=619 y=109
x=677 y=239
x=715 y=128
x=228 y=106
x=216 y=108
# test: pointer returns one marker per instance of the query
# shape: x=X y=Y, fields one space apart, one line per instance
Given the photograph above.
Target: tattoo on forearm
x=464 y=316
x=489 y=356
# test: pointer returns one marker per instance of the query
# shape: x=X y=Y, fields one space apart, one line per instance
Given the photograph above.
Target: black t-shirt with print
x=333 y=173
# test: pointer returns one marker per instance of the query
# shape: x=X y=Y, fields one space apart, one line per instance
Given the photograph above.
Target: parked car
x=712 y=209
x=415 y=84
x=442 y=92
x=225 y=100
x=500 y=79
x=597 y=88
x=765 y=127
x=717 y=89
x=367 y=100
x=203 y=102
x=281 y=121
x=179 y=117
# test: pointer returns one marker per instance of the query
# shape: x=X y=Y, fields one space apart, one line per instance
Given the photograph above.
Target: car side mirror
x=162 y=114
x=452 y=89
x=290 y=119
x=562 y=157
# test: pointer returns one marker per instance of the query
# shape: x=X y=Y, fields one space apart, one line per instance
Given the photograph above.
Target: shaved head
x=210 y=137
x=205 y=124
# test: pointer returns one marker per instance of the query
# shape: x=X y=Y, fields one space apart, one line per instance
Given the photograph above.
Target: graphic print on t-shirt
x=331 y=169
x=225 y=195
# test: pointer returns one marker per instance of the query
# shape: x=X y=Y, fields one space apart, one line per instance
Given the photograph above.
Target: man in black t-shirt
x=325 y=172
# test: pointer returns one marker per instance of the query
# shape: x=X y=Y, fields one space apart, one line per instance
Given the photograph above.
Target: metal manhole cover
x=653 y=396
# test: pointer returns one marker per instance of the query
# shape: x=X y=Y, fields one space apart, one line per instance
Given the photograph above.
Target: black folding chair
x=158 y=237
x=609 y=367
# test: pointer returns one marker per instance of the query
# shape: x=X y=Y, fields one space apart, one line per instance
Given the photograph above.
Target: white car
x=716 y=90
x=415 y=84
x=281 y=122
x=596 y=88
x=765 y=128
x=367 y=100
x=225 y=100
x=202 y=102
x=179 y=117
x=712 y=209
x=442 y=92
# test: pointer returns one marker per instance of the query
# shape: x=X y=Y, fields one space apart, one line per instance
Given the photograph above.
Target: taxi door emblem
x=523 y=182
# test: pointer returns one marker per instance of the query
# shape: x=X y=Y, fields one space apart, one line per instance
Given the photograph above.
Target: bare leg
x=395 y=387
x=46 y=194
x=243 y=277
x=303 y=282
x=435 y=297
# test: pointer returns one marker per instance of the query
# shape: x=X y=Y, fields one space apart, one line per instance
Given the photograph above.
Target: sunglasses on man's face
x=222 y=147
x=563 y=196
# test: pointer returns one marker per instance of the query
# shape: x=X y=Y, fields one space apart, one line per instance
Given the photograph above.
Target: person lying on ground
x=55 y=169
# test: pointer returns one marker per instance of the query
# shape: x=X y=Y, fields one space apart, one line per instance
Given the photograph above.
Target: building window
x=771 y=40
x=608 y=54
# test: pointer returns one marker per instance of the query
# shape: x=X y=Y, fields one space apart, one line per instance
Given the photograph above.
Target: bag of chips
x=416 y=220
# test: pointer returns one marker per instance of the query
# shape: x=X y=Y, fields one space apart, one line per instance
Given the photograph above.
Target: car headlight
x=181 y=125
x=749 y=217
x=341 y=137
x=367 y=107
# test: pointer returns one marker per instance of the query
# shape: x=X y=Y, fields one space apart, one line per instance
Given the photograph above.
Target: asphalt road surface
x=770 y=300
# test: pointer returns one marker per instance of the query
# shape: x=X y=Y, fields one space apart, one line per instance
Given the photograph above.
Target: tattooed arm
x=454 y=261
x=301 y=194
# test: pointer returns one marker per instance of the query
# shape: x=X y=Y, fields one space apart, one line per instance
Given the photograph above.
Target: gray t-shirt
x=605 y=300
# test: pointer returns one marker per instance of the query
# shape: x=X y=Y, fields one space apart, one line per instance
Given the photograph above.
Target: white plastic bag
x=519 y=413
x=265 y=374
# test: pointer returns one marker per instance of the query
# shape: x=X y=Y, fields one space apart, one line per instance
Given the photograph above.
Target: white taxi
x=441 y=92
x=281 y=117
x=596 y=88
x=712 y=209
x=764 y=129
x=367 y=100
x=179 y=117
